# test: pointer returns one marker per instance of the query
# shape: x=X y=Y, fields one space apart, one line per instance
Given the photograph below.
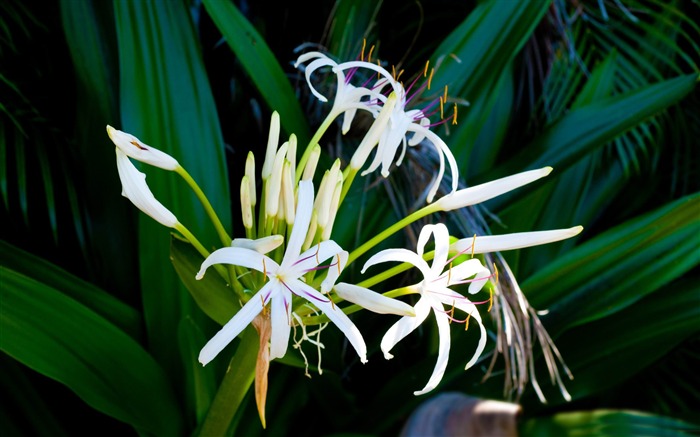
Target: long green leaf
x=94 y=298
x=261 y=65
x=166 y=101
x=619 y=267
x=604 y=423
x=66 y=341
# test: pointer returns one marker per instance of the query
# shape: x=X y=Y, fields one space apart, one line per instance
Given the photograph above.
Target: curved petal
x=464 y=270
x=134 y=188
x=261 y=245
x=519 y=240
x=444 y=152
x=281 y=313
x=470 y=308
x=399 y=255
x=314 y=256
x=321 y=61
x=443 y=352
x=339 y=319
x=405 y=326
x=234 y=326
x=442 y=246
x=239 y=256
x=373 y=301
x=133 y=147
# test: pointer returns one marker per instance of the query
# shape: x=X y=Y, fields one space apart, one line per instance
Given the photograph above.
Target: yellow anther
x=425 y=70
x=441 y=107
x=490 y=300
x=338 y=264
x=445 y=97
x=430 y=79
x=264 y=269
x=393 y=72
x=362 y=53
x=449 y=273
x=399 y=76
x=495 y=268
x=466 y=322
x=369 y=56
x=332 y=303
x=452 y=312
x=454 y=117
x=473 y=245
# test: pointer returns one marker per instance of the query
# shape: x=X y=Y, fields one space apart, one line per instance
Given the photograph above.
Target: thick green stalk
x=223 y=235
x=237 y=380
x=314 y=140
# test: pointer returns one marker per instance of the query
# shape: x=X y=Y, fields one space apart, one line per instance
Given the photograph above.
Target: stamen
x=138 y=146
x=441 y=108
x=454 y=115
x=466 y=322
x=425 y=70
x=338 y=264
x=264 y=269
x=490 y=300
x=430 y=79
x=318 y=248
x=473 y=245
x=362 y=52
x=399 y=76
x=445 y=98
x=369 y=56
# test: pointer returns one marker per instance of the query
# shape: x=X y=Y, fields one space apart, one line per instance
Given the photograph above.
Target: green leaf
x=261 y=65
x=617 y=423
x=200 y=385
x=352 y=21
x=66 y=341
x=212 y=294
x=103 y=304
x=166 y=101
x=618 y=267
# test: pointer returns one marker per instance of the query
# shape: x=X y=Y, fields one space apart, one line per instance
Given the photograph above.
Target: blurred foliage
x=602 y=90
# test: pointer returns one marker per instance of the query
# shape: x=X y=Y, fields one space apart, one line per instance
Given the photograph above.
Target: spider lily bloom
x=435 y=294
x=134 y=148
x=499 y=243
x=285 y=279
x=134 y=188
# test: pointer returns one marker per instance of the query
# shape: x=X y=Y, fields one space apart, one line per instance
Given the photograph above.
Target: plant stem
x=237 y=380
x=314 y=140
x=223 y=235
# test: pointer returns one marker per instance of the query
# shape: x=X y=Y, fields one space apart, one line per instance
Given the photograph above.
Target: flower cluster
x=285 y=270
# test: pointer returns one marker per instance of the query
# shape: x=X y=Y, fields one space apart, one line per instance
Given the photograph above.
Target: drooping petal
x=234 y=326
x=405 y=326
x=134 y=188
x=442 y=246
x=445 y=153
x=305 y=204
x=443 y=351
x=373 y=135
x=489 y=190
x=498 y=243
x=281 y=313
x=261 y=245
x=134 y=148
x=469 y=308
x=339 y=319
x=373 y=301
x=399 y=255
x=239 y=256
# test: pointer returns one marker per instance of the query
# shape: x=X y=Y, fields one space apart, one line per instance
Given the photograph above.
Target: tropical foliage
x=102 y=319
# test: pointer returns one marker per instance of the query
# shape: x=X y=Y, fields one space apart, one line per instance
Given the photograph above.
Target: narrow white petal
x=280 y=316
x=469 y=308
x=442 y=149
x=315 y=256
x=465 y=270
x=443 y=351
x=134 y=188
x=373 y=301
x=305 y=203
x=399 y=255
x=489 y=190
x=442 y=246
x=498 y=243
x=405 y=326
x=339 y=319
x=373 y=135
x=135 y=148
x=250 y=173
x=261 y=245
x=274 y=184
x=234 y=326
x=239 y=256
x=311 y=68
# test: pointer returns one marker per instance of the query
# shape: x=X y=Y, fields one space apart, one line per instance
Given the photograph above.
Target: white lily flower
x=134 y=188
x=499 y=243
x=285 y=279
x=134 y=148
x=489 y=190
x=435 y=294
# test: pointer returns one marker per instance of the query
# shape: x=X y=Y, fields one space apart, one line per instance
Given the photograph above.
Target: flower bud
x=134 y=148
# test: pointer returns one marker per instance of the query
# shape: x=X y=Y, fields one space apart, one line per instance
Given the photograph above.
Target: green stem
x=223 y=235
x=237 y=380
x=386 y=233
x=314 y=140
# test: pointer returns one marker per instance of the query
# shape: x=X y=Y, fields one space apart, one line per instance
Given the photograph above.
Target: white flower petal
x=399 y=255
x=443 y=351
x=442 y=246
x=469 y=308
x=372 y=301
x=405 y=326
x=261 y=245
x=305 y=204
x=239 y=256
x=234 y=326
x=489 y=190
x=133 y=147
x=134 y=188
x=273 y=140
x=314 y=256
x=498 y=243
x=339 y=319
x=444 y=152
x=280 y=317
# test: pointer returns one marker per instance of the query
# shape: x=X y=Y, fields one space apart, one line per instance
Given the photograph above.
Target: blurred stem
x=237 y=380
x=223 y=235
x=314 y=140
x=386 y=233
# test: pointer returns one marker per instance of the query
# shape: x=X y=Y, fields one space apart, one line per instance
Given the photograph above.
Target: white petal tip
x=547 y=170
x=388 y=356
x=199 y=276
x=576 y=230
